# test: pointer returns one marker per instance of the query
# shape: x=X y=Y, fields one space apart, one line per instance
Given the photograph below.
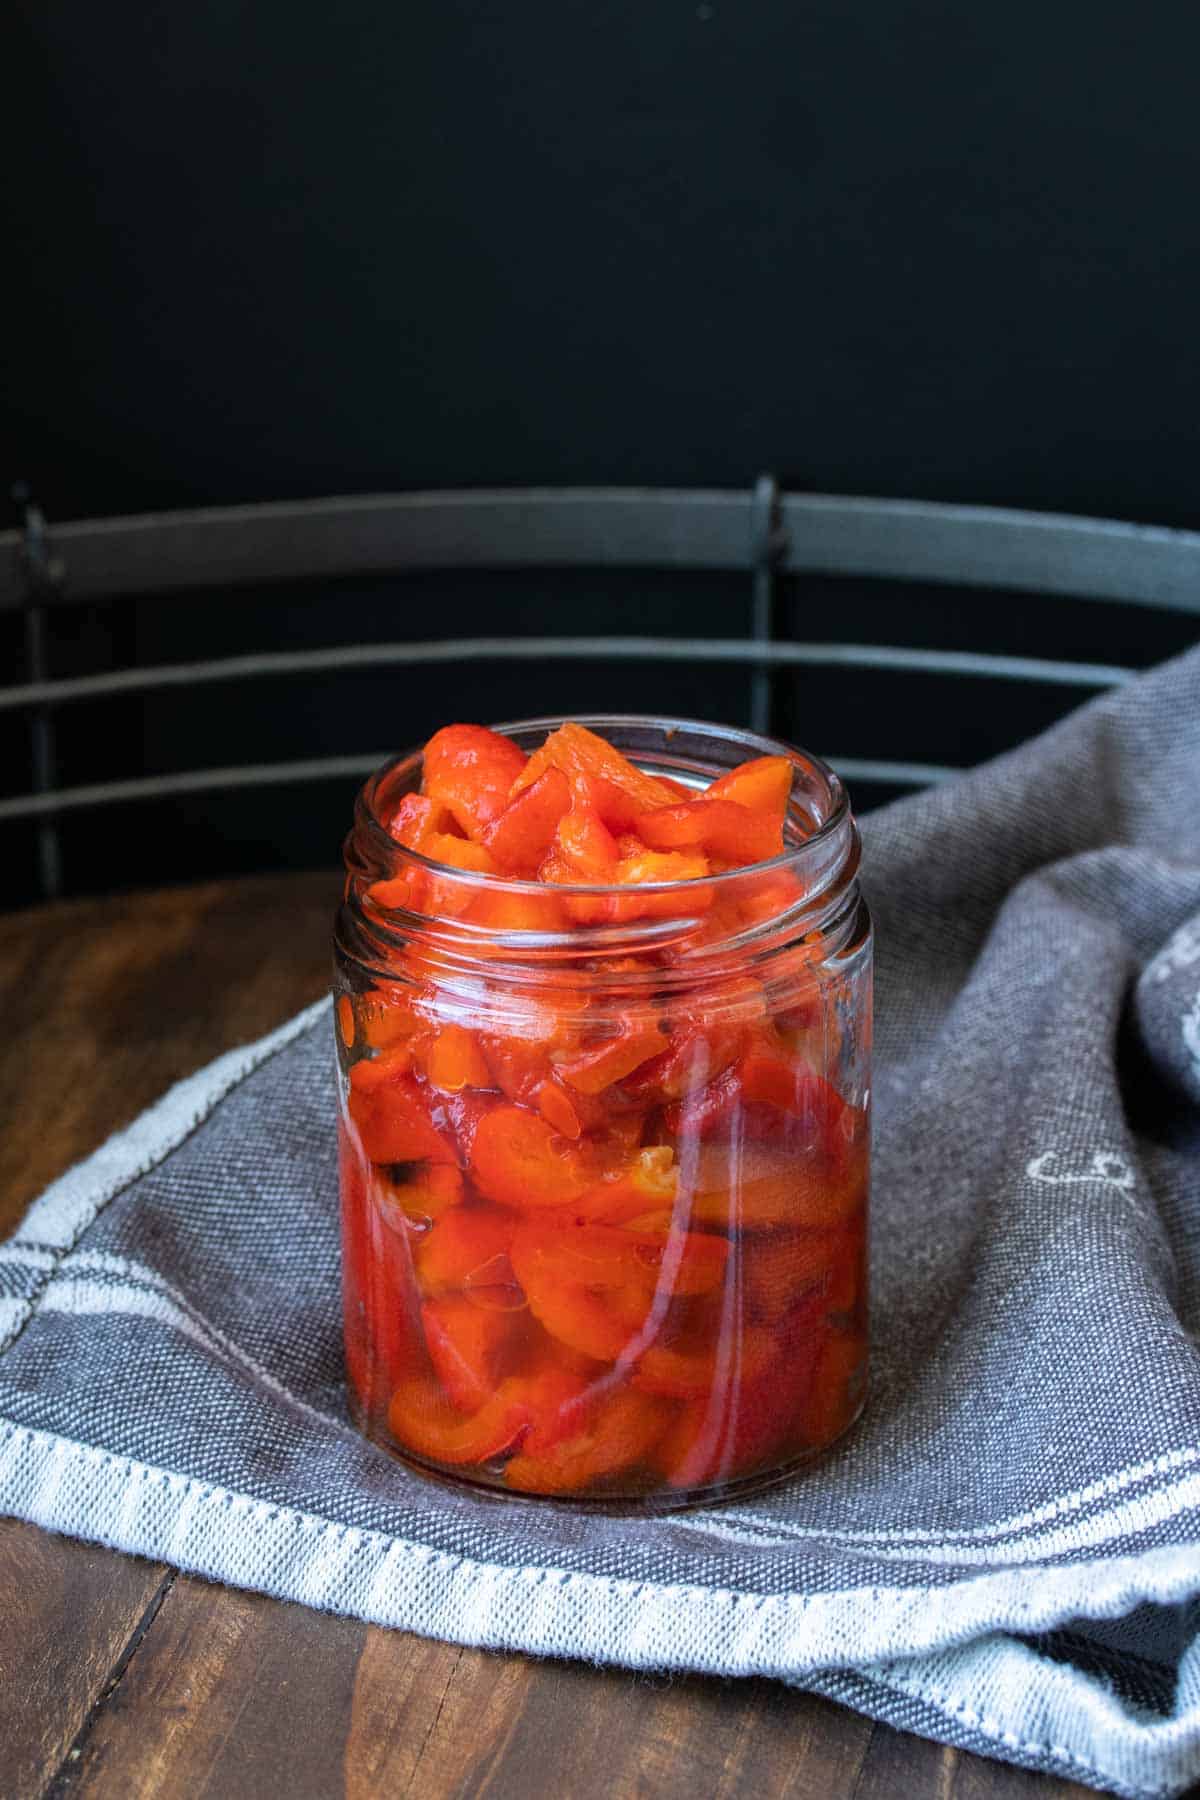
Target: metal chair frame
x=760 y=531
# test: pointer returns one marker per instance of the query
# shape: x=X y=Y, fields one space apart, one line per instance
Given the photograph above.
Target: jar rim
x=806 y=849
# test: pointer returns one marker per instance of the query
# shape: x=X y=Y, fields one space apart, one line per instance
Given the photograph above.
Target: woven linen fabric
x=1005 y=1555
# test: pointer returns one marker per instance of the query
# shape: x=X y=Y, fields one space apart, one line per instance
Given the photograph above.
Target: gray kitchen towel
x=1006 y=1554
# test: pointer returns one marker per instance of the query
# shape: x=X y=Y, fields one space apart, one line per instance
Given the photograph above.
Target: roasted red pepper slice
x=518 y=1159
x=768 y=1100
x=470 y=1348
x=455 y=1061
x=463 y=1113
x=587 y=845
x=518 y=1065
x=613 y=1059
x=600 y=1328
x=419 y=1192
x=837 y=1388
x=423 y=1421
x=601 y=1257
x=471 y=770
x=618 y=1433
x=467 y=1247
x=734 y=1429
x=721 y=827
x=683 y=1374
x=579 y=752
x=520 y=836
x=746 y=1186
x=764 y=785
x=393 y=1115
x=418 y=818
x=382 y=1341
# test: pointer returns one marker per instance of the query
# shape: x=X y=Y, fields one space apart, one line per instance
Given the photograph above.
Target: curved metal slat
x=985 y=546
x=610 y=527
x=203 y=781
x=375 y=534
x=622 y=649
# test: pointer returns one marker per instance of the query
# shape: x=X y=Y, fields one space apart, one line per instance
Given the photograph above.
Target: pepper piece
x=721 y=827
x=519 y=1160
x=744 y=1186
x=391 y=1111
x=419 y=1192
x=764 y=784
x=579 y=752
x=423 y=1420
x=382 y=1341
x=468 y=1348
x=520 y=837
x=455 y=1061
x=607 y=1256
x=466 y=1247
x=471 y=770
x=614 y=1059
x=618 y=1433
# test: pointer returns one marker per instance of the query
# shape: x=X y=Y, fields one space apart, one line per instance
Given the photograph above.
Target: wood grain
x=118 y=1678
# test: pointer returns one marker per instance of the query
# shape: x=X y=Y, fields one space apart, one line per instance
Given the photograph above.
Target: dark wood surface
x=120 y=1677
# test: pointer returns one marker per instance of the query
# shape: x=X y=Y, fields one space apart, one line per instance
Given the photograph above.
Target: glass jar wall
x=604 y=1152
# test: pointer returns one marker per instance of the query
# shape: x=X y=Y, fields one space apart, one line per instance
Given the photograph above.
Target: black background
x=266 y=252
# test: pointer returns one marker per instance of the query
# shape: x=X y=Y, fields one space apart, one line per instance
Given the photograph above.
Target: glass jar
x=604 y=1152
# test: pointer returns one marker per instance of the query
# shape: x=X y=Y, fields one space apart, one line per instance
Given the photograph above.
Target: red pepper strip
x=723 y=1436
x=392 y=1113
x=417 y=818
x=647 y=1184
x=463 y=1248
x=837 y=1388
x=770 y=1101
x=615 y=805
x=520 y=836
x=382 y=1342
x=423 y=1421
x=613 y=1060
x=750 y=1419
x=796 y=1090
x=653 y=866
x=746 y=1187
x=606 y=1256
x=696 y=1055
x=427 y=1191
x=459 y=853
x=463 y=1114
x=388 y=1016
x=619 y=1433
x=577 y=751
x=518 y=1066
x=468 y=1348
x=471 y=770
x=455 y=1061
x=683 y=1374
x=778 y=1270
x=503 y=910
x=557 y=1400
x=754 y=1419
x=600 y=1329
x=722 y=827
x=587 y=845
x=558 y=1109
x=519 y=1160
x=400 y=891
x=763 y=784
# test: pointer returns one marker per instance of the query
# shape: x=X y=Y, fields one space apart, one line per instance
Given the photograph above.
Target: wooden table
x=120 y=1677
